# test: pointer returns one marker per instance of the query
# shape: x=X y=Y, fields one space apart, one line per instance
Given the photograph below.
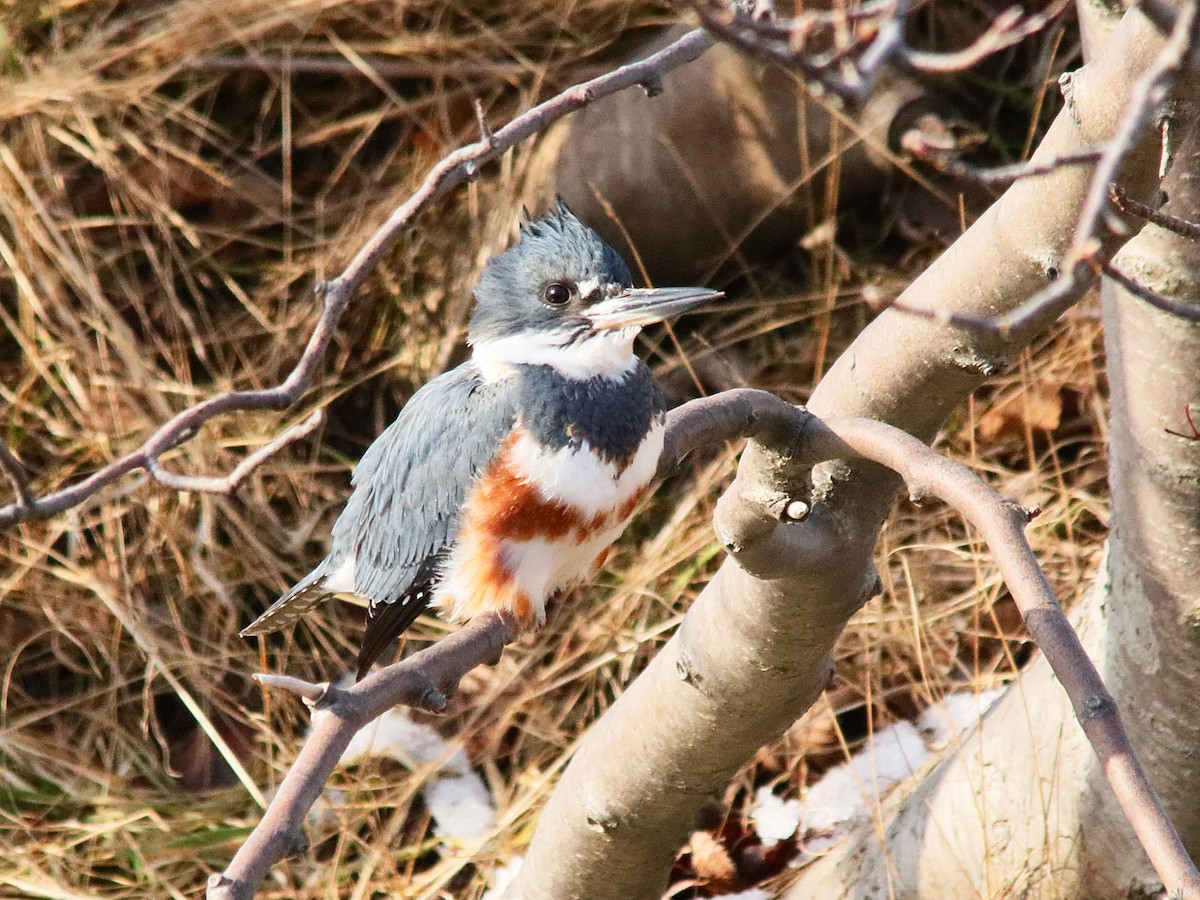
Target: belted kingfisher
x=508 y=478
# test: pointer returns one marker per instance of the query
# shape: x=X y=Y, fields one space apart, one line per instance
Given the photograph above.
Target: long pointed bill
x=645 y=306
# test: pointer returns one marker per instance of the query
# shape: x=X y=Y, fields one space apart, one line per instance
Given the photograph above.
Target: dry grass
x=162 y=220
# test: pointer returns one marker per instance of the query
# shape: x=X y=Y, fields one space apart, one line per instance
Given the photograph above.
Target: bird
x=506 y=480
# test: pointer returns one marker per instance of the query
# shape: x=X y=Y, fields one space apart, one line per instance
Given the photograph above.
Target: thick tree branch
x=424 y=680
x=791 y=434
x=454 y=169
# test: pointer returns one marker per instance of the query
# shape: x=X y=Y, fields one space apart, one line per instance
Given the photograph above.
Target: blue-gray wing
x=403 y=513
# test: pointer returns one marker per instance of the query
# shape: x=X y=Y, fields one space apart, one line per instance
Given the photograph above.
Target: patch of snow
x=946 y=720
x=775 y=819
x=752 y=894
x=457 y=799
x=502 y=877
x=847 y=791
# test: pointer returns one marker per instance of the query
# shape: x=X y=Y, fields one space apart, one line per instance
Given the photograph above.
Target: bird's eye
x=557 y=294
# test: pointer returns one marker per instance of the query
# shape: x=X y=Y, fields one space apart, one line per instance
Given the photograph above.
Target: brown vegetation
x=174 y=177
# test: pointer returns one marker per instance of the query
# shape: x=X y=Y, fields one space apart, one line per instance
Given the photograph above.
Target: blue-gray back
x=412 y=482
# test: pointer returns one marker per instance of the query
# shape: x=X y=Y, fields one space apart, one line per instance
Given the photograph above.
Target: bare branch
x=914 y=142
x=796 y=440
x=849 y=69
x=1080 y=269
x=231 y=482
x=312 y=694
x=453 y=169
x=1010 y=27
x=1131 y=207
x=485 y=128
x=1188 y=310
x=425 y=680
x=1187 y=414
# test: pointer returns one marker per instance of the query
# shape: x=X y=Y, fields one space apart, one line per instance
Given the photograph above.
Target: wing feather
x=403 y=513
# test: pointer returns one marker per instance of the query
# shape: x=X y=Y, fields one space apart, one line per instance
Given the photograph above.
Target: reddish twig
x=455 y=168
x=425 y=680
x=1131 y=207
x=1080 y=267
x=1188 y=310
x=1187 y=414
x=850 y=69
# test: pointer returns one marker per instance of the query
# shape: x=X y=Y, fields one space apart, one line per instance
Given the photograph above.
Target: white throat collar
x=600 y=354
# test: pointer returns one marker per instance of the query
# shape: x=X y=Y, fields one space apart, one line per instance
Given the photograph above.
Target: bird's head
x=562 y=297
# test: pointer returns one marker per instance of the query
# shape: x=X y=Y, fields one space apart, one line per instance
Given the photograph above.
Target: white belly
x=598 y=490
x=571 y=504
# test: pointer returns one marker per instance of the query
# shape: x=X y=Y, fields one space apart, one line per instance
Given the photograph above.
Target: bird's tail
x=289 y=608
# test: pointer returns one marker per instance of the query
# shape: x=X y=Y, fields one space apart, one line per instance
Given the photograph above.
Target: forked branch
x=1090 y=251
x=843 y=51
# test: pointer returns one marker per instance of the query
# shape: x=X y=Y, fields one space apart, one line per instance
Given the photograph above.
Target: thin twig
x=453 y=169
x=205 y=484
x=1187 y=414
x=424 y=680
x=1129 y=206
x=1009 y=28
x=992 y=176
x=1188 y=310
x=485 y=127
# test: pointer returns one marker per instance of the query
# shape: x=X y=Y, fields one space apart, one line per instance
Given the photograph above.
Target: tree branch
x=1079 y=270
x=243 y=470
x=1129 y=206
x=993 y=176
x=801 y=441
x=455 y=168
x=424 y=680
x=1188 y=310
